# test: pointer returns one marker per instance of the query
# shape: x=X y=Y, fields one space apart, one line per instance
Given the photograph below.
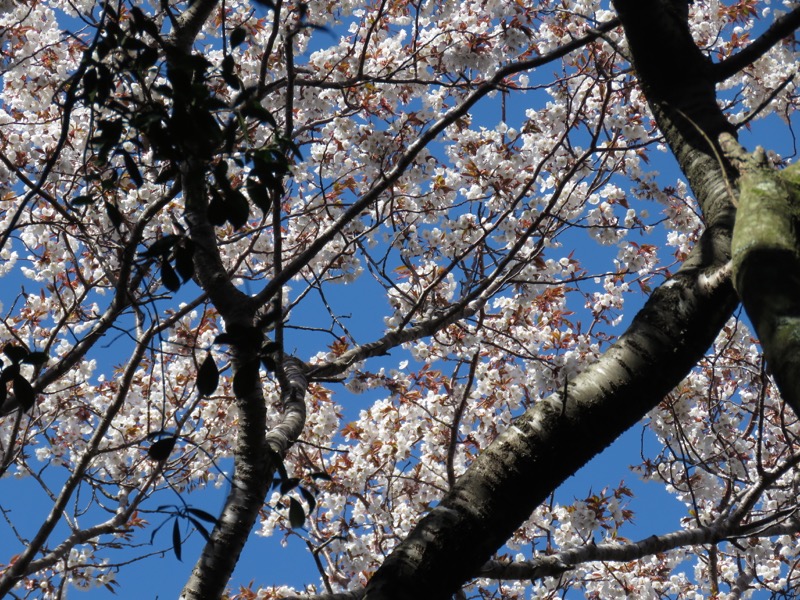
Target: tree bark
x=766 y=262
x=558 y=435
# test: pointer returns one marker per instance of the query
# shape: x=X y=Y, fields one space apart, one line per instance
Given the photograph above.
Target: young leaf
x=296 y=514
x=207 y=376
x=24 y=392
x=176 y=539
x=161 y=449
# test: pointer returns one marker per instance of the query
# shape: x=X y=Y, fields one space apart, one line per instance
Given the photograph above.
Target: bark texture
x=766 y=262
x=670 y=334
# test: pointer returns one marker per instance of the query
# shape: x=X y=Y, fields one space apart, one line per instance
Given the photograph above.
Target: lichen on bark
x=766 y=260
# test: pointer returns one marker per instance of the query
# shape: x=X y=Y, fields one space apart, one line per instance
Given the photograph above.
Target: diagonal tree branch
x=676 y=326
x=781 y=28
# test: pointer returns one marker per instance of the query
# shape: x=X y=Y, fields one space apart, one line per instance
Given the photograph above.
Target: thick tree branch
x=676 y=326
x=550 y=566
x=781 y=28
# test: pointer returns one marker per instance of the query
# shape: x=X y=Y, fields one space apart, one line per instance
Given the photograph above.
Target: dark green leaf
x=237 y=210
x=252 y=108
x=161 y=449
x=287 y=485
x=184 y=259
x=82 y=200
x=132 y=44
x=245 y=337
x=9 y=373
x=277 y=462
x=176 y=539
x=294 y=148
x=105 y=45
x=105 y=84
x=109 y=133
x=221 y=174
x=245 y=380
x=169 y=278
x=161 y=246
x=217 y=212
x=258 y=194
x=167 y=174
x=312 y=501
x=269 y=363
x=207 y=376
x=36 y=358
x=133 y=170
x=142 y=23
x=229 y=73
x=147 y=58
x=297 y=515
x=203 y=515
x=164 y=89
x=109 y=182
x=201 y=528
x=90 y=85
x=270 y=346
x=23 y=392
x=15 y=353
x=113 y=214
x=138 y=17
x=237 y=37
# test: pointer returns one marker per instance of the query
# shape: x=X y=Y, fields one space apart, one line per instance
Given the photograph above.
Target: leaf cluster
x=175 y=256
x=307 y=489
x=193 y=516
x=23 y=390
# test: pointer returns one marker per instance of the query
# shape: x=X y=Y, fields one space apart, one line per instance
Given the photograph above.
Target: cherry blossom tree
x=226 y=224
